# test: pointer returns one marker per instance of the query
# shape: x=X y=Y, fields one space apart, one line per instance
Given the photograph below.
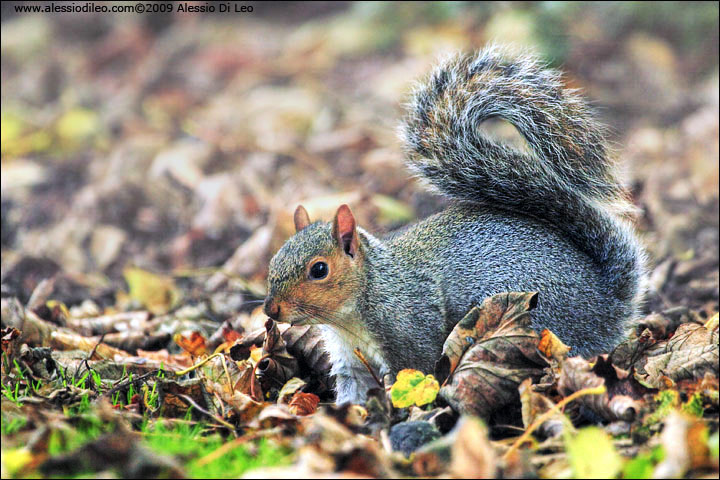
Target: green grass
x=88 y=428
x=188 y=443
x=12 y=425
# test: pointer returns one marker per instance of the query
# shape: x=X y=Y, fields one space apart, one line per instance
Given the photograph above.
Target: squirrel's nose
x=272 y=309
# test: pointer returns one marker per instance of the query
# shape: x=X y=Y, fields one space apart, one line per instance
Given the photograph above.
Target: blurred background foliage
x=179 y=141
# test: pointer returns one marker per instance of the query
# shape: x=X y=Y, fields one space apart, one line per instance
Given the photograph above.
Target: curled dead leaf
x=623 y=398
x=488 y=353
x=276 y=366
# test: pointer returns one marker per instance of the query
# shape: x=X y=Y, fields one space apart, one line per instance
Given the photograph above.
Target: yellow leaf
x=76 y=125
x=593 y=455
x=55 y=303
x=413 y=388
x=155 y=292
x=256 y=353
x=15 y=459
x=712 y=323
x=11 y=131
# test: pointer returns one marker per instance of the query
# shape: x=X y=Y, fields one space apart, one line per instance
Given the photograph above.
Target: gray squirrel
x=546 y=221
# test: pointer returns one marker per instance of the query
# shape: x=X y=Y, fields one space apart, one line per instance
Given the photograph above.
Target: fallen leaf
x=412 y=387
x=276 y=366
x=552 y=347
x=289 y=389
x=623 y=397
x=533 y=405
x=170 y=395
x=177 y=361
x=689 y=354
x=195 y=344
x=247 y=382
x=685 y=443
x=307 y=345
x=304 y=403
x=592 y=454
x=157 y=293
x=471 y=453
x=488 y=353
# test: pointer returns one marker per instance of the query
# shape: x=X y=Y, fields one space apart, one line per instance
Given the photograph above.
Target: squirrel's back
x=484 y=251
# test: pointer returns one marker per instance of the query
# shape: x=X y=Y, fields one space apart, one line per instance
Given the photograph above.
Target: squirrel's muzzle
x=272 y=309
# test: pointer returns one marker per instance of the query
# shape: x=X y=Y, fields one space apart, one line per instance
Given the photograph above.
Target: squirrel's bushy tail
x=567 y=180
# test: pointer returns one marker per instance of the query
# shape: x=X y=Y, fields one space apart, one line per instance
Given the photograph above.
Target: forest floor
x=150 y=168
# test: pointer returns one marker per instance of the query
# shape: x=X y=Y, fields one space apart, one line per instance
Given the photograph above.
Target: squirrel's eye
x=319 y=270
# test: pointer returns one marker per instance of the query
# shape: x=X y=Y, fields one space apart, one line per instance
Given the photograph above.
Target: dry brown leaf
x=244 y=408
x=277 y=366
x=35 y=331
x=689 y=354
x=289 y=389
x=351 y=454
x=307 y=345
x=247 y=382
x=65 y=340
x=134 y=340
x=488 y=353
x=534 y=405
x=273 y=415
x=195 y=344
x=116 y=322
x=632 y=352
x=304 y=342
x=472 y=454
x=304 y=403
x=10 y=342
x=623 y=398
x=171 y=402
x=177 y=361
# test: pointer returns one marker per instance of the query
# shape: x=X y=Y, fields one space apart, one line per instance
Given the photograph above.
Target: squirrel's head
x=317 y=271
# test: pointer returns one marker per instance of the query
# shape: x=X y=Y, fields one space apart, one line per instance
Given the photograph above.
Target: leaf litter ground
x=147 y=181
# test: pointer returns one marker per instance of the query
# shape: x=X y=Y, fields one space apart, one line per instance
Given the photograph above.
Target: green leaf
x=643 y=465
x=592 y=454
x=694 y=406
x=714 y=445
x=413 y=388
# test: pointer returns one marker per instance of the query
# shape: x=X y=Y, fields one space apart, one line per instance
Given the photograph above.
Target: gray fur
x=542 y=222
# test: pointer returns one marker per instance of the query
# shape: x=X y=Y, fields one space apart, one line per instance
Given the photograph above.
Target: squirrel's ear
x=301 y=217
x=344 y=230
